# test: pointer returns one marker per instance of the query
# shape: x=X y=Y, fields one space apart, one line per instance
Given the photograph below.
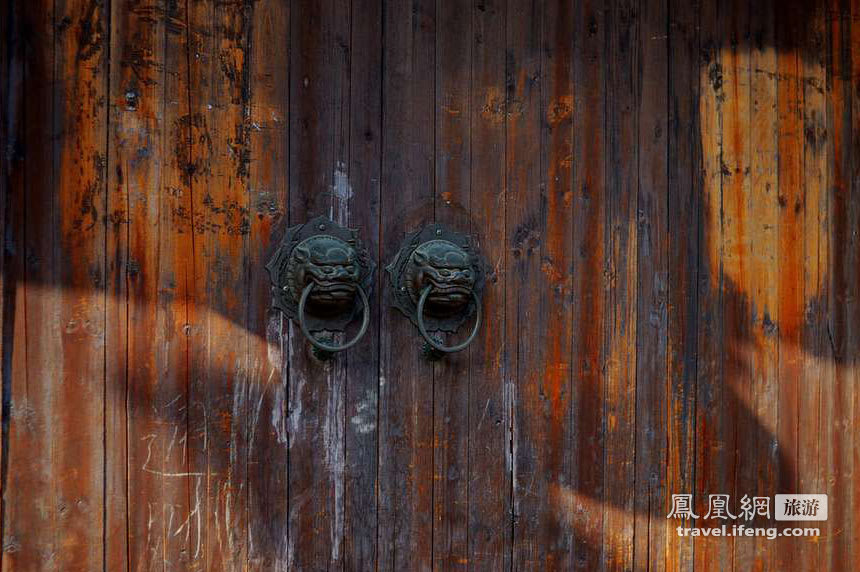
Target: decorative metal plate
x=332 y=257
x=450 y=263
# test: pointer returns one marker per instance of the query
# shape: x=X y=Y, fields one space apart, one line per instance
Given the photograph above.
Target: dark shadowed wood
x=712 y=430
x=651 y=528
x=622 y=126
x=490 y=396
x=406 y=430
x=30 y=342
x=684 y=199
x=268 y=373
x=589 y=280
x=319 y=128
x=452 y=207
x=536 y=235
x=838 y=397
x=361 y=428
x=851 y=260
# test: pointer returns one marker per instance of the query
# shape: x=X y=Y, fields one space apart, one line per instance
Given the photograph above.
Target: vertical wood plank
x=132 y=218
x=31 y=343
x=837 y=398
x=541 y=225
x=651 y=528
x=162 y=528
x=589 y=248
x=219 y=73
x=77 y=423
x=685 y=190
x=817 y=369
x=452 y=207
x=268 y=143
x=533 y=236
x=406 y=378
x=319 y=127
x=852 y=266
x=735 y=272
x=622 y=127
x=760 y=420
x=711 y=425
x=489 y=488
x=361 y=430
x=787 y=160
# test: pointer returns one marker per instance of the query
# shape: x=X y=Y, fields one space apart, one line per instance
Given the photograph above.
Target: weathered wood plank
x=268 y=144
x=489 y=488
x=782 y=156
x=760 y=421
x=837 y=398
x=219 y=73
x=651 y=528
x=713 y=444
x=589 y=281
x=622 y=255
x=318 y=164
x=852 y=266
x=163 y=530
x=685 y=193
x=31 y=344
x=406 y=378
x=77 y=420
x=733 y=264
x=452 y=207
x=817 y=371
x=135 y=162
x=361 y=430
x=537 y=224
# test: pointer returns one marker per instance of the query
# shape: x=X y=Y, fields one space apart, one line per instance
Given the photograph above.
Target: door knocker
x=320 y=277
x=438 y=278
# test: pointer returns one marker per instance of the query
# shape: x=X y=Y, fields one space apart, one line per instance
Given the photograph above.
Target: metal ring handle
x=323 y=346
x=433 y=343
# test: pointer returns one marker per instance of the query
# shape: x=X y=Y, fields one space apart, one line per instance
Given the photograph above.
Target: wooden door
x=667 y=196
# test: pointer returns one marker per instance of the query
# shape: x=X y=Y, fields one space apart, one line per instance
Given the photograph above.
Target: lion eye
x=328 y=269
x=445 y=272
x=467 y=274
x=350 y=268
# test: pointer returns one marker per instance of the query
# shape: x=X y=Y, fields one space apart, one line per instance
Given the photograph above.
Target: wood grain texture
x=452 y=207
x=316 y=392
x=589 y=281
x=30 y=339
x=267 y=204
x=490 y=384
x=651 y=502
x=685 y=195
x=361 y=429
x=406 y=380
x=80 y=152
x=666 y=196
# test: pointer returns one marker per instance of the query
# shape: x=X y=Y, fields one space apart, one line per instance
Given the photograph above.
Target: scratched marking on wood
x=666 y=194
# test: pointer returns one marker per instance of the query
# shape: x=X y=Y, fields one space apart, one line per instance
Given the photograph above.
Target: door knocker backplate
x=438 y=279
x=321 y=275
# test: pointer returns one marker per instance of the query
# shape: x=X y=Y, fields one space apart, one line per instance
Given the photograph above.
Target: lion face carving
x=330 y=263
x=448 y=269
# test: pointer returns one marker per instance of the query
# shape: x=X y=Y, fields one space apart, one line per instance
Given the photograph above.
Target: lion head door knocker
x=320 y=277
x=438 y=278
